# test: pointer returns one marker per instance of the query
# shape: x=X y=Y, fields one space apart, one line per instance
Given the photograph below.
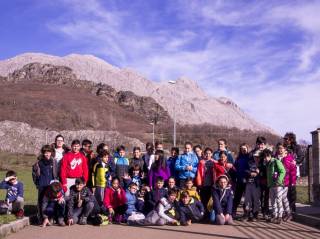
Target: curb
x=14 y=226
x=308 y=220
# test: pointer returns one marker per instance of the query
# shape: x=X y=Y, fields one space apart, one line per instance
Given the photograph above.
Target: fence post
x=316 y=167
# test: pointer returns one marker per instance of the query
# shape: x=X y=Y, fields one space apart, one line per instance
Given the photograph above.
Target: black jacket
x=85 y=195
x=193 y=211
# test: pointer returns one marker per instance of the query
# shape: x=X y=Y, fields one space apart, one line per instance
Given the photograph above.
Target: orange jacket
x=201 y=171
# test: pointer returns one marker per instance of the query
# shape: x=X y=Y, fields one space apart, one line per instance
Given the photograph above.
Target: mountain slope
x=192 y=104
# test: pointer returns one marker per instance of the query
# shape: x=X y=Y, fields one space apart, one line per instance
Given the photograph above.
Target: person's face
x=261 y=146
x=221 y=145
x=47 y=155
x=106 y=147
x=223 y=158
x=208 y=154
x=150 y=150
x=281 y=150
x=136 y=153
x=188 y=148
x=244 y=149
x=189 y=184
x=172 y=197
x=75 y=148
x=115 y=184
x=87 y=147
x=267 y=158
x=105 y=159
x=159 y=147
x=13 y=180
x=223 y=183
x=185 y=200
x=136 y=172
x=198 y=152
x=122 y=153
x=159 y=184
x=59 y=142
x=80 y=186
x=133 y=189
x=171 y=183
x=174 y=153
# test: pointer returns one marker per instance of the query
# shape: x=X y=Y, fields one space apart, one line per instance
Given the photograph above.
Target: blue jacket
x=185 y=160
x=43 y=171
x=229 y=155
x=222 y=200
x=171 y=163
x=13 y=190
x=131 y=203
x=194 y=211
x=242 y=166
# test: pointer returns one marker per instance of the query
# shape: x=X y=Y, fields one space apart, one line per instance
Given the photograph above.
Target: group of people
x=78 y=185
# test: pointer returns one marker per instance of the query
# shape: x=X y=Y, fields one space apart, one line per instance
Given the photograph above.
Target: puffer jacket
x=131 y=202
x=290 y=178
x=275 y=173
x=184 y=160
x=222 y=200
x=194 y=211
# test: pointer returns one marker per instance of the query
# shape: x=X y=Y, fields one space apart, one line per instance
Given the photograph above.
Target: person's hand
x=229 y=165
x=147 y=188
x=189 y=222
x=93 y=190
x=61 y=200
x=7 y=179
x=227 y=216
x=189 y=168
x=126 y=176
x=111 y=211
x=70 y=222
x=253 y=174
x=294 y=162
x=142 y=175
x=46 y=222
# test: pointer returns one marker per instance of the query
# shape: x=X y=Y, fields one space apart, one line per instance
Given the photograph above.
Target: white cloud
x=274 y=83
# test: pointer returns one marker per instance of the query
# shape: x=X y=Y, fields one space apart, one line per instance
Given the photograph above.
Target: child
x=60 y=149
x=136 y=176
x=121 y=164
x=289 y=180
x=90 y=156
x=102 y=175
x=43 y=172
x=141 y=198
x=222 y=147
x=132 y=213
x=154 y=196
x=222 y=202
x=171 y=161
x=172 y=184
x=137 y=160
x=192 y=191
x=275 y=176
x=222 y=167
x=191 y=210
x=14 y=197
x=166 y=212
x=148 y=157
x=206 y=176
x=80 y=203
x=252 y=191
x=115 y=201
x=158 y=169
x=53 y=204
x=73 y=166
x=186 y=164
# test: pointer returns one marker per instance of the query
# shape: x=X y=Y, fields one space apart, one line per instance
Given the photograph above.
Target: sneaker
x=61 y=222
x=83 y=221
x=277 y=220
x=286 y=217
x=20 y=214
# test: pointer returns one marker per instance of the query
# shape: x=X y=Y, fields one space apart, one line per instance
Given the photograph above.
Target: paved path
x=240 y=230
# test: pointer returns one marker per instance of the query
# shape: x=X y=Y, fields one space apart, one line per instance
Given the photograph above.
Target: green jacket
x=275 y=167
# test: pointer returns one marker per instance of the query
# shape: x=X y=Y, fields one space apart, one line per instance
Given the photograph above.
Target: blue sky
x=264 y=55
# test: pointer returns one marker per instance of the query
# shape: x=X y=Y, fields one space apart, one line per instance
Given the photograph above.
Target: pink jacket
x=291 y=170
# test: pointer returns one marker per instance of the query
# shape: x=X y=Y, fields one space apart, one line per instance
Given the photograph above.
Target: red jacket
x=73 y=165
x=113 y=199
x=220 y=169
x=201 y=173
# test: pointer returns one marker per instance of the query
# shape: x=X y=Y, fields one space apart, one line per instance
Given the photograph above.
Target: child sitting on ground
x=132 y=213
x=222 y=202
x=53 y=204
x=14 y=198
x=191 y=210
x=80 y=203
x=172 y=184
x=154 y=196
x=166 y=212
x=115 y=201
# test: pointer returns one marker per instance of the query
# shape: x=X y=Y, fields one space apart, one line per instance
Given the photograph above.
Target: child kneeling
x=80 y=203
x=222 y=202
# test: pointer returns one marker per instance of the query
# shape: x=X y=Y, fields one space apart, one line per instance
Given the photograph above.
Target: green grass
x=302 y=195
x=4 y=219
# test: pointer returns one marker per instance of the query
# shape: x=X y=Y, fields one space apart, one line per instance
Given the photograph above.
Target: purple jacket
x=291 y=170
x=154 y=173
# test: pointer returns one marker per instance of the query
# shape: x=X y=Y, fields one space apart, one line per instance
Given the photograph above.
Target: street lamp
x=152 y=133
x=174 y=111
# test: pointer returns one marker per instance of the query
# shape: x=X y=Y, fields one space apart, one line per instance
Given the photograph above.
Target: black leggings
x=292 y=197
x=239 y=191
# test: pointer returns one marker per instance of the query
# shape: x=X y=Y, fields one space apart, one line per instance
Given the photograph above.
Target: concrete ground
x=240 y=230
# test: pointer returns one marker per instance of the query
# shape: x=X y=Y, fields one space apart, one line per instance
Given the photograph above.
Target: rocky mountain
x=191 y=103
x=22 y=138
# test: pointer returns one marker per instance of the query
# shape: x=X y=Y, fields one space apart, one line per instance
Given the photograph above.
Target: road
x=240 y=230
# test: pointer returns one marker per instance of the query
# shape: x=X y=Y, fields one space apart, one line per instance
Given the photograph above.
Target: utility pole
x=174 y=113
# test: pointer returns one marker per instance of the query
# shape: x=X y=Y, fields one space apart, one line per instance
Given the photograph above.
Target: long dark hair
x=161 y=162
